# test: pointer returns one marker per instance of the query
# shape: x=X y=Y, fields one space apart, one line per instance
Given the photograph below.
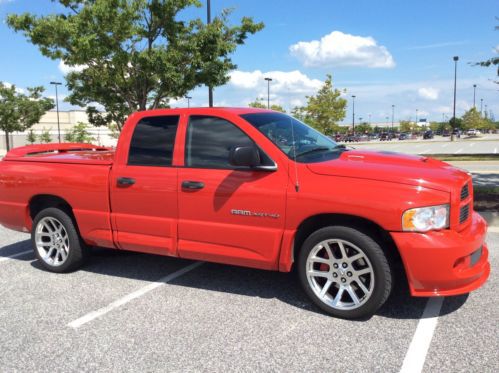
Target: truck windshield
x=296 y=139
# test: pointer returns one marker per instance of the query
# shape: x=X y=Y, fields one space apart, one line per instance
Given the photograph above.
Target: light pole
x=188 y=101
x=208 y=17
x=481 y=106
x=57 y=108
x=417 y=116
x=393 y=112
x=353 y=114
x=474 y=94
x=268 y=91
x=486 y=114
x=369 y=119
x=456 y=58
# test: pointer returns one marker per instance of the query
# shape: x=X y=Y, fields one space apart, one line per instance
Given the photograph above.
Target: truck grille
x=464 y=213
x=465 y=192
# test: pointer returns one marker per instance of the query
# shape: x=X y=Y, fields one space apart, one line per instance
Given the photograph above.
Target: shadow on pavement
x=230 y=279
x=485 y=179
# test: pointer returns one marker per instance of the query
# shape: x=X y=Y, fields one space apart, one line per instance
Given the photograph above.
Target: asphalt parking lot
x=137 y=312
x=487 y=144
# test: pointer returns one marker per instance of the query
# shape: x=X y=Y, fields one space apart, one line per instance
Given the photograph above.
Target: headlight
x=425 y=219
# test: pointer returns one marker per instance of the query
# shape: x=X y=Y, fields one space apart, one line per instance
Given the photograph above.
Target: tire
x=344 y=272
x=56 y=241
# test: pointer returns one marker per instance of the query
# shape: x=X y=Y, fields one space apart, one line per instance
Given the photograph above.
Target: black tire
x=78 y=251
x=378 y=260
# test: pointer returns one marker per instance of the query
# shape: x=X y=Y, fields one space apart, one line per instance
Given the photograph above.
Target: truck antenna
x=297 y=183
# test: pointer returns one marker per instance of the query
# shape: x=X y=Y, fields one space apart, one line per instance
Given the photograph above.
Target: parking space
x=169 y=314
x=489 y=144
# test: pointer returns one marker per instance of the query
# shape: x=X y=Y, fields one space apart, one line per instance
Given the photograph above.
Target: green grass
x=465 y=157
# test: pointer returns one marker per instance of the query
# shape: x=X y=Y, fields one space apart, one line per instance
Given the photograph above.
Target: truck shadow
x=284 y=287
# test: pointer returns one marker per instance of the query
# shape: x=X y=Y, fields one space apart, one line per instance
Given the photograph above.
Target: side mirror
x=245 y=156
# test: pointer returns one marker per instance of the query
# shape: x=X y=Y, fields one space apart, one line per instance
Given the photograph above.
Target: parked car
x=386 y=136
x=456 y=132
x=471 y=132
x=403 y=136
x=253 y=188
x=427 y=135
x=445 y=133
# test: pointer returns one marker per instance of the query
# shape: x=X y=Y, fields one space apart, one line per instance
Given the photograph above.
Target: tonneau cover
x=62 y=153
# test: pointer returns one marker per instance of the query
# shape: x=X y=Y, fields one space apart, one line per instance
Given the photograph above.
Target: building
x=67 y=120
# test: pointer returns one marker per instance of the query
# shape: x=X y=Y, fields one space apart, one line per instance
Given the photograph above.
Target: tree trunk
x=7 y=141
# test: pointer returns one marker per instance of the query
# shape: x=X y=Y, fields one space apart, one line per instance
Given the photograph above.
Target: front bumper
x=443 y=263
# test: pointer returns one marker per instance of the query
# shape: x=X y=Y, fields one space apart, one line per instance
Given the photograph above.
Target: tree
x=130 y=55
x=79 y=134
x=31 y=137
x=259 y=103
x=494 y=61
x=363 y=127
x=325 y=109
x=407 y=126
x=45 y=137
x=20 y=111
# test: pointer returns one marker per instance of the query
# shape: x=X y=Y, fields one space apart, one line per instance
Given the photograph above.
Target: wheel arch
x=369 y=227
x=40 y=202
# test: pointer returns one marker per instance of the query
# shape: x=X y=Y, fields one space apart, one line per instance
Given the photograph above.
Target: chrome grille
x=464 y=213
x=465 y=192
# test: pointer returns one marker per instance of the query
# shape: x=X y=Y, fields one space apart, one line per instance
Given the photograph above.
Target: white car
x=472 y=132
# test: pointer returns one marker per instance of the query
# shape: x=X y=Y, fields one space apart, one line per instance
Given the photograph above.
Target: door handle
x=192 y=185
x=125 y=181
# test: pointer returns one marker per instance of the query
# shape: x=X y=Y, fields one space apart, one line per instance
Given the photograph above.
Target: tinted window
x=209 y=141
x=152 y=141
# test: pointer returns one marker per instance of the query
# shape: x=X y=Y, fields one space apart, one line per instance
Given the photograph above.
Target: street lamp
x=474 y=94
x=481 y=106
x=369 y=119
x=268 y=91
x=417 y=116
x=486 y=115
x=353 y=114
x=57 y=108
x=188 y=101
x=210 y=88
x=456 y=58
x=393 y=112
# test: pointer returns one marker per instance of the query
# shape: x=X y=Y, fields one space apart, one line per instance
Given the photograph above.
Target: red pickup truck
x=253 y=188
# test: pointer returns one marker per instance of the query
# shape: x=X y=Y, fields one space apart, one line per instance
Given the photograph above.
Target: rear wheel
x=56 y=241
x=344 y=272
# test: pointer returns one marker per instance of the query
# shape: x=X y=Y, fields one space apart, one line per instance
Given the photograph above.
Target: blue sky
x=384 y=52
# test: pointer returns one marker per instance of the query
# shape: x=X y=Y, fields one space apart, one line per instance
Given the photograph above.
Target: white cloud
x=428 y=93
x=340 y=49
x=496 y=49
x=66 y=69
x=291 y=82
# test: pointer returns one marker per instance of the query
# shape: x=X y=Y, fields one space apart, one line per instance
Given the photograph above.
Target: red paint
x=156 y=215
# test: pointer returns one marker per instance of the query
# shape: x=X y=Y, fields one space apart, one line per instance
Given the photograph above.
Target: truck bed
x=63 y=153
x=76 y=173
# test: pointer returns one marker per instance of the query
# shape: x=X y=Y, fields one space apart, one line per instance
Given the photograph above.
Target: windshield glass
x=294 y=138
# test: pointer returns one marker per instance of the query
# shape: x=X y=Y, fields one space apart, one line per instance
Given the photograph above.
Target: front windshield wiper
x=323 y=149
x=314 y=150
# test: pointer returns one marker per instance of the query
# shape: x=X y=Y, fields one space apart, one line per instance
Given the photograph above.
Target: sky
x=385 y=52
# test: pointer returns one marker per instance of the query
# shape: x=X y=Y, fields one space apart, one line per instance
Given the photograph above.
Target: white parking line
x=472 y=144
x=495 y=150
x=416 y=354
x=425 y=151
x=5 y=258
x=458 y=151
x=127 y=298
x=445 y=145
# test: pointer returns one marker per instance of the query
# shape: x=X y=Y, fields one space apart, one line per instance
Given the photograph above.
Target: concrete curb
x=492 y=218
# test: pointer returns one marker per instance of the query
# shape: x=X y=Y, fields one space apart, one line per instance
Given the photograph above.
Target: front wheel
x=344 y=272
x=56 y=241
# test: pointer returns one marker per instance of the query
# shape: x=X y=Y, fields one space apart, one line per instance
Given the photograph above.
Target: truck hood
x=393 y=167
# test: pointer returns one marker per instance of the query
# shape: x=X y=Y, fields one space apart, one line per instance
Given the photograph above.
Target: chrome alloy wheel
x=52 y=241
x=340 y=274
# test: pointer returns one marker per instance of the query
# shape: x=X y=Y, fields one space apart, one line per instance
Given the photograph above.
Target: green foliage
x=45 y=137
x=20 y=111
x=473 y=119
x=299 y=113
x=363 y=127
x=134 y=54
x=408 y=126
x=325 y=109
x=493 y=61
x=260 y=103
x=31 y=137
x=79 y=134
